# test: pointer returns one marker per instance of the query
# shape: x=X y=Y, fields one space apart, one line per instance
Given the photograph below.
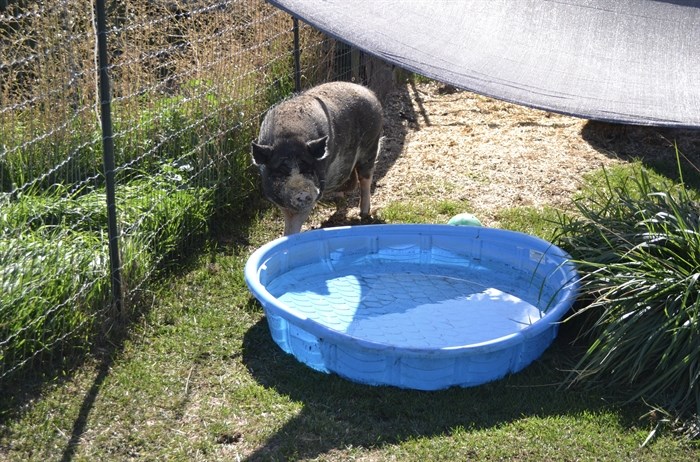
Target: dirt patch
x=445 y=144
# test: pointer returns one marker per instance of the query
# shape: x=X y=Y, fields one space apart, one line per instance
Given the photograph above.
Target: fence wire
x=189 y=82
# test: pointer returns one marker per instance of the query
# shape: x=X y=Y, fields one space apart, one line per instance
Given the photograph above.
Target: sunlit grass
x=426 y=211
x=537 y=222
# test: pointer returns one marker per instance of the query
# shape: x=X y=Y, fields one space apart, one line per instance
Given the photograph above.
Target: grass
x=538 y=222
x=198 y=378
x=422 y=211
x=183 y=161
x=55 y=273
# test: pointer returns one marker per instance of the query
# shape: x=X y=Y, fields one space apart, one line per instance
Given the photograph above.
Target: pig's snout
x=301 y=192
x=302 y=200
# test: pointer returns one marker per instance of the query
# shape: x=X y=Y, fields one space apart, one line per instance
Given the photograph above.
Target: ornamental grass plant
x=636 y=240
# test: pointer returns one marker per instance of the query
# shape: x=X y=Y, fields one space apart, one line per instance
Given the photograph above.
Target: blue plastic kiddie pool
x=413 y=306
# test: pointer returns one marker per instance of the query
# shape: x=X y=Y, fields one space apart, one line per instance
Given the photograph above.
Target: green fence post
x=108 y=154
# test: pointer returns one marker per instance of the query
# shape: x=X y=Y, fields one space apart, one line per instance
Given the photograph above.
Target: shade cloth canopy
x=626 y=61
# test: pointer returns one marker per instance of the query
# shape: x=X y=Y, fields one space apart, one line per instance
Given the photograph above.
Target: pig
x=318 y=142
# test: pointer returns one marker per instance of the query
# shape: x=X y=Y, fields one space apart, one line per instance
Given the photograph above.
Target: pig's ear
x=317 y=148
x=261 y=153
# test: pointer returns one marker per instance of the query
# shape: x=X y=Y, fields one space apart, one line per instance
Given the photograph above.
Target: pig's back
x=349 y=106
x=337 y=109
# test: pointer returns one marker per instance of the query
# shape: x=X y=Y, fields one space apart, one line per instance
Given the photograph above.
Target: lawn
x=197 y=377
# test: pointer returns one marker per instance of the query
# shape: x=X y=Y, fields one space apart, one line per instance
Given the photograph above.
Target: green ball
x=464 y=219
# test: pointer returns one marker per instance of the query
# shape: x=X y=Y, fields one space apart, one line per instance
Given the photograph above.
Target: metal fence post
x=108 y=154
x=297 y=56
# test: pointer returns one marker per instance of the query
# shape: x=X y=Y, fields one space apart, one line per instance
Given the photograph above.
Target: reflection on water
x=411 y=305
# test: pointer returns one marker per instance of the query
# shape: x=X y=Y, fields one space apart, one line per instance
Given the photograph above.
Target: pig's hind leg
x=365 y=171
x=365 y=189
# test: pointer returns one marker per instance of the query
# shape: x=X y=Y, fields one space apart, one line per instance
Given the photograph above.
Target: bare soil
x=445 y=144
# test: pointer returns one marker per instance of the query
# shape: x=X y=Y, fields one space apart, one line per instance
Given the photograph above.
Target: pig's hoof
x=367 y=219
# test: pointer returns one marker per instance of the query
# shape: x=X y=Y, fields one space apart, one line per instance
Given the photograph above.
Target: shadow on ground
x=338 y=414
x=32 y=384
x=653 y=146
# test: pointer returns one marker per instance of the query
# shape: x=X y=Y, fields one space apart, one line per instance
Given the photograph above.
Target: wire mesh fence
x=189 y=81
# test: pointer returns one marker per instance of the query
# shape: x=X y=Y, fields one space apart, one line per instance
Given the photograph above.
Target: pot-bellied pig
x=320 y=141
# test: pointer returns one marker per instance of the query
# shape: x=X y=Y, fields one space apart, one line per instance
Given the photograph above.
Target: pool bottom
x=406 y=306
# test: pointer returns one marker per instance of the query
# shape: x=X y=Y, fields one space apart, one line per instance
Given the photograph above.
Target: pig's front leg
x=293 y=220
x=365 y=187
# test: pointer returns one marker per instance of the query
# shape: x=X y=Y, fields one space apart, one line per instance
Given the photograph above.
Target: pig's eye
x=281 y=170
x=280 y=167
x=306 y=168
x=286 y=167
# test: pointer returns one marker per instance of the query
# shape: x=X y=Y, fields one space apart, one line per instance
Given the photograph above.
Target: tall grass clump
x=53 y=288
x=636 y=240
x=55 y=261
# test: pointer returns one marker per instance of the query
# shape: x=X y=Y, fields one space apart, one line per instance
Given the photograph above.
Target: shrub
x=637 y=244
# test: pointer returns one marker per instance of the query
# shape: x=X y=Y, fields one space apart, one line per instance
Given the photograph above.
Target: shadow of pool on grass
x=338 y=413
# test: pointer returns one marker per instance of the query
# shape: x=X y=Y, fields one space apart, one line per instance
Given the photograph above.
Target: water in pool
x=414 y=306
